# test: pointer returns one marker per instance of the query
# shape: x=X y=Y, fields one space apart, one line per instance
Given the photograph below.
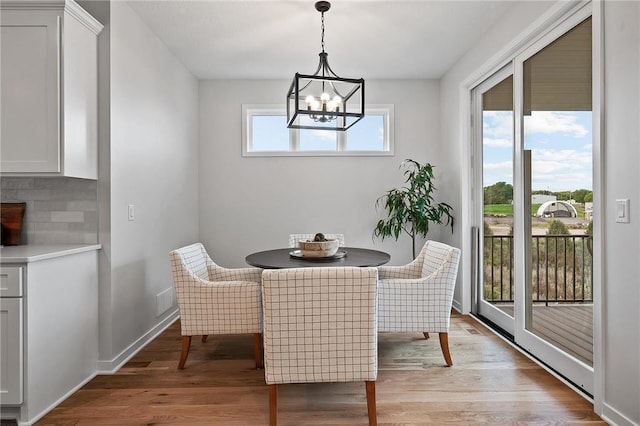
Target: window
x=265 y=133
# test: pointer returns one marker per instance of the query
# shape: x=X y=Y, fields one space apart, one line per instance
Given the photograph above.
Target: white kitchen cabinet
x=49 y=329
x=49 y=89
x=11 y=335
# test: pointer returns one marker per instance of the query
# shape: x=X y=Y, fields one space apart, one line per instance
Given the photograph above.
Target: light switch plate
x=622 y=210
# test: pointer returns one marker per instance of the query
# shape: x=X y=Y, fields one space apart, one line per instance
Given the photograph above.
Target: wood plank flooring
x=489 y=384
x=567 y=326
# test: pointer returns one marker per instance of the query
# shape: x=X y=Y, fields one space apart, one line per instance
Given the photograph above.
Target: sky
x=560 y=144
x=560 y=141
x=271 y=134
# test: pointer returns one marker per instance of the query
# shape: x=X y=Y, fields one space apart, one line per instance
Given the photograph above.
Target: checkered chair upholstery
x=294 y=238
x=215 y=300
x=320 y=325
x=417 y=297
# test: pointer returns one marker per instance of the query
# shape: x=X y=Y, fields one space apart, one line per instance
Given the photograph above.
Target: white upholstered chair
x=294 y=238
x=417 y=297
x=215 y=300
x=320 y=326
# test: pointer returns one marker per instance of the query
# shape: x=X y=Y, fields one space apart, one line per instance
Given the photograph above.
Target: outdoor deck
x=567 y=326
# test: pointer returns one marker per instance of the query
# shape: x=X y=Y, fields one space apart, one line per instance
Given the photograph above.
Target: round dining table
x=290 y=258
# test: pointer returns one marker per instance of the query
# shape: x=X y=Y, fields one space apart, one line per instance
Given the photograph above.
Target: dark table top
x=280 y=258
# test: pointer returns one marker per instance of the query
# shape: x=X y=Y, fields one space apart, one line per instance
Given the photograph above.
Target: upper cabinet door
x=49 y=90
x=30 y=135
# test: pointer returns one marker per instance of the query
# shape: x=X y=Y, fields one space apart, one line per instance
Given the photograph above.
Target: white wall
x=153 y=165
x=621 y=285
x=619 y=400
x=249 y=204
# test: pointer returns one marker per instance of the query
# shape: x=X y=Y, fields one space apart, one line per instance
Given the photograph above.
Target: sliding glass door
x=493 y=120
x=532 y=126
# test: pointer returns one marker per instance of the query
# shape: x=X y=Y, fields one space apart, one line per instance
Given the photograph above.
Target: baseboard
x=457 y=306
x=58 y=401
x=614 y=417
x=108 y=367
x=102 y=367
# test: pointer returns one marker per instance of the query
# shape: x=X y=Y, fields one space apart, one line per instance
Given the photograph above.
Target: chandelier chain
x=322 y=27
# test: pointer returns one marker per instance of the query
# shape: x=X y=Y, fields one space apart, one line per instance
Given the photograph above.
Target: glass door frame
x=558 y=22
x=480 y=306
x=580 y=374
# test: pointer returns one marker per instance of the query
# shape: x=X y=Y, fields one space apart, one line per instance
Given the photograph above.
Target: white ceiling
x=274 y=39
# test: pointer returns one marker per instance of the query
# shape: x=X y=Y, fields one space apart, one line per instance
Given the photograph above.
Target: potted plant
x=411 y=208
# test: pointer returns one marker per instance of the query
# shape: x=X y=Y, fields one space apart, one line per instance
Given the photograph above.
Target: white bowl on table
x=318 y=248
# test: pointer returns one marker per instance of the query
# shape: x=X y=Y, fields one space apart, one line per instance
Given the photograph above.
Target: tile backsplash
x=59 y=210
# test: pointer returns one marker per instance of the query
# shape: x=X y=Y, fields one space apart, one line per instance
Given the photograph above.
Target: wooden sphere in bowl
x=318 y=248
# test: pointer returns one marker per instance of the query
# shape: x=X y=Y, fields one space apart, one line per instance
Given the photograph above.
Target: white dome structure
x=556 y=209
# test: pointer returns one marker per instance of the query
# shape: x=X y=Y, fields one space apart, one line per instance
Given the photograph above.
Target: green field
x=498 y=210
x=507 y=209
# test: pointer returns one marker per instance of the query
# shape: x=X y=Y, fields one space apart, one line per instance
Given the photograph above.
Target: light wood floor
x=489 y=384
x=567 y=326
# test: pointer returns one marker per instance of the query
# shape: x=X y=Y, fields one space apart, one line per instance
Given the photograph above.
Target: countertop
x=34 y=253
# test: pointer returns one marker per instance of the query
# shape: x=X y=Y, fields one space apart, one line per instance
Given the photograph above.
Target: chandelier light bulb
x=337 y=100
x=325 y=97
x=309 y=99
x=331 y=106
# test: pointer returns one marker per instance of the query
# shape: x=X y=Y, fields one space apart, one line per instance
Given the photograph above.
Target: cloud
x=501 y=171
x=564 y=182
x=561 y=170
x=497 y=125
x=564 y=158
x=500 y=166
x=561 y=161
x=497 y=143
x=548 y=122
x=323 y=135
x=556 y=170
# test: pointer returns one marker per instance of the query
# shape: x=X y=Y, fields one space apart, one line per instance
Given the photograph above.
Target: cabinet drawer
x=11 y=278
x=11 y=340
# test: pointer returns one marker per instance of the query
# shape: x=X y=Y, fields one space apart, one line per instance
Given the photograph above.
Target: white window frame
x=251 y=110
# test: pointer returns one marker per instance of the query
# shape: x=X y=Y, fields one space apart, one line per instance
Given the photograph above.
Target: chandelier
x=323 y=100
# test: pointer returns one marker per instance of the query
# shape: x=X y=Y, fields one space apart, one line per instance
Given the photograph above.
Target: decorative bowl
x=318 y=248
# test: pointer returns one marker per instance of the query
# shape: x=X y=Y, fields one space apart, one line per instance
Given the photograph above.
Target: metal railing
x=561 y=268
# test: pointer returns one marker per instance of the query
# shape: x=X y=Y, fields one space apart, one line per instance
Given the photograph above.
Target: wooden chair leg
x=186 y=344
x=371 y=403
x=426 y=335
x=273 y=405
x=257 y=349
x=444 y=344
x=204 y=338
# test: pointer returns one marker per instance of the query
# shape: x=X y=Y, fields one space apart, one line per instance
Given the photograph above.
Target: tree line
x=502 y=193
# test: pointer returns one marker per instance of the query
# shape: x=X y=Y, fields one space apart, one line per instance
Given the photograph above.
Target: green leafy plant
x=411 y=209
x=557 y=227
x=589 y=233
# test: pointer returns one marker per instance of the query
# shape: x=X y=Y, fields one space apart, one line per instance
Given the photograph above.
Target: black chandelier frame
x=300 y=115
